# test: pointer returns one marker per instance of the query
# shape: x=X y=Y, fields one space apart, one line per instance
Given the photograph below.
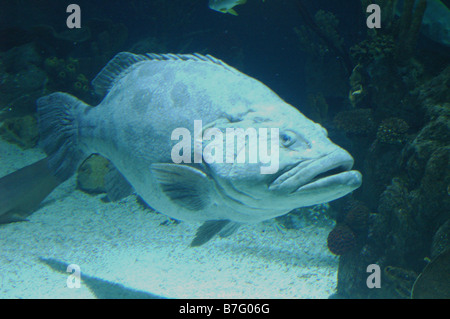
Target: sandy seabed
x=124 y=244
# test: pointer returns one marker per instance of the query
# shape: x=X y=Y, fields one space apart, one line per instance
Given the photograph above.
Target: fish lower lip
x=343 y=167
x=311 y=170
x=351 y=179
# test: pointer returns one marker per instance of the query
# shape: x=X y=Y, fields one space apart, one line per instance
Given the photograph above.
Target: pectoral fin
x=233 y=12
x=186 y=186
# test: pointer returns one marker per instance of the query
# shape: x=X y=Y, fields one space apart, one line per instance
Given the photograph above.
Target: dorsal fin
x=118 y=67
x=124 y=62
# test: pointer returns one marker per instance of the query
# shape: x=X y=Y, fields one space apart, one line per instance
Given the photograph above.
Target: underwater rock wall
x=410 y=226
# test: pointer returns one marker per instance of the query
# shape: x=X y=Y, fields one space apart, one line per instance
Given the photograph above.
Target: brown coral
x=357 y=218
x=341 y=240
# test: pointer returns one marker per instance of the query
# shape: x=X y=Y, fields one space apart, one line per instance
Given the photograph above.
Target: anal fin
x=207 y=231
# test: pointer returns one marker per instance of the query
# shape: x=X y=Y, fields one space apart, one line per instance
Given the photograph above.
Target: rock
x=22 y=81
x=91 y=174
x=21 y=131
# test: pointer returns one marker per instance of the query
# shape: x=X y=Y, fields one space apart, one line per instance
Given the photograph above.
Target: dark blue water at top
x=263 y=32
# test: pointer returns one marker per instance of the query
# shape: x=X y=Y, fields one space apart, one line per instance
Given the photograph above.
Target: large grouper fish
x=146 y=98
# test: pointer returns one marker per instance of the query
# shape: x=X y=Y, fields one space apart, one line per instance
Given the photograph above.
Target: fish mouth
x=331 y=170
x=349 y=179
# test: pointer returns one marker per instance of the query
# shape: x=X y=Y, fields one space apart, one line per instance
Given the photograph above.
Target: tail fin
x=58 y=128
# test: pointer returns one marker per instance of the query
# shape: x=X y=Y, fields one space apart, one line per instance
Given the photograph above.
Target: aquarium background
x=382 y=95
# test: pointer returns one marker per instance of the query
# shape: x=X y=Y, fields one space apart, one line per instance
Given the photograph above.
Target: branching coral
x=403 y=32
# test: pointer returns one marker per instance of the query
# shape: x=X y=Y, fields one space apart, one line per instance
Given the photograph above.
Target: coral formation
x=22 y=81
x=397 y=38
x=401 y=279
x=392 y=131
x=408 y=185
x=357 y=218
x=318 y=37
x=373 y=49
x=387 y=65
x=355 y=122
x=341 y=240
x=65 y=75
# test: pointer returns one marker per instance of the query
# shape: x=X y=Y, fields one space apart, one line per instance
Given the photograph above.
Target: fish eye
x=287 y=139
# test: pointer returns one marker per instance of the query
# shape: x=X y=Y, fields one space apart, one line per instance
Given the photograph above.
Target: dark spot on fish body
x=141 y=101
x=149 y=132
x=179 y=94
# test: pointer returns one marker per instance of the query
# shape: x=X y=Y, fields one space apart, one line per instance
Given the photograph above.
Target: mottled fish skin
x=148 y=97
